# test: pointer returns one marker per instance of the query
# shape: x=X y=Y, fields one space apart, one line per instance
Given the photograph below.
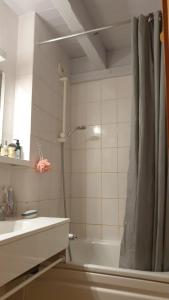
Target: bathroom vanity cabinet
x=25 y=244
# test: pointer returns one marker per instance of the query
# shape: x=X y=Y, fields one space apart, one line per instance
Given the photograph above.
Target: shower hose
x=64 y=191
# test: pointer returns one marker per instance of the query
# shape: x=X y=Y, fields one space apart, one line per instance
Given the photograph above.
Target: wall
x=115 y=58
x=32 y=190
x=34 y=70
x=94 y=103
x=100 y=162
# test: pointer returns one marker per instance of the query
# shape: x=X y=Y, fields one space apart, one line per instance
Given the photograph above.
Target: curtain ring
x=150 y=18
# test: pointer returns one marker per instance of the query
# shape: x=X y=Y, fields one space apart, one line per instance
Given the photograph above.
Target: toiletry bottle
x=4 y=149
x=10 y=202
x=3 y=200
x=2 y=214
x=18 y=150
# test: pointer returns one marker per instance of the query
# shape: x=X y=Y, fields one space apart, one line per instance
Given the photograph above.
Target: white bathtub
x=103 y=253
x=103 y=256
x=94 y=275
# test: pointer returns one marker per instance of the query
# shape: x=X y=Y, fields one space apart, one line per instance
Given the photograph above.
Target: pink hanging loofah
x=43 y=166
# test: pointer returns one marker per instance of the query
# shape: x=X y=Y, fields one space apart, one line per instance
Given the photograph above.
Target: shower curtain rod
x=95 y=30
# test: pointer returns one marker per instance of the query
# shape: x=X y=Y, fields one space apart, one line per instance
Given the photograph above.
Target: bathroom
x=86 y=185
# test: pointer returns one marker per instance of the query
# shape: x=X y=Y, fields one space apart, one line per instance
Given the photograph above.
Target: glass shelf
x=14 y=162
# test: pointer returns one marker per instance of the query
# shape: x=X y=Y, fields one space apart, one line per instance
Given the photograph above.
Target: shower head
x=70 y=132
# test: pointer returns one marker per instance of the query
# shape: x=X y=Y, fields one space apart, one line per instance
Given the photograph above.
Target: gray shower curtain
x=145 y=242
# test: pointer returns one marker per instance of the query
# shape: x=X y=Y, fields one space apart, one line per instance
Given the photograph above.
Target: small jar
x=4 y=149
x=11 y=150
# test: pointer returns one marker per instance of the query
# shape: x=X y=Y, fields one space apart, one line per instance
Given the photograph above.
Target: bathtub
x=103 y=256
x=94 y=275
x=103 y=253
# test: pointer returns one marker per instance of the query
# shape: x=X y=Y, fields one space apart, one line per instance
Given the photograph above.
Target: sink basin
x=26 y=243
x=17 y=228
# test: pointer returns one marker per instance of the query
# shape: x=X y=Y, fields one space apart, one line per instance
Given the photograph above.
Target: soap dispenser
x=18 y=150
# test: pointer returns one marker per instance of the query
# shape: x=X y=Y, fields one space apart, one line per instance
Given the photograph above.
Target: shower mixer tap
x=72 y=236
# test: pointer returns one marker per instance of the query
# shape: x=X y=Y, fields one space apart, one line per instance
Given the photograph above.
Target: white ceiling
x=47 y=10
x=104 y=12
x=101 y=12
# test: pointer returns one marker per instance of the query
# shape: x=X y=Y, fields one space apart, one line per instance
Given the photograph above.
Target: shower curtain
x=145 y=242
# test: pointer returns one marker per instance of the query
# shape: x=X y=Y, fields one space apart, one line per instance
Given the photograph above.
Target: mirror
x=2 y=94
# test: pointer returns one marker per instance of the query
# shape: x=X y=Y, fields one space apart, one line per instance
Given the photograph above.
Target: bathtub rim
x=161 y=277
x=93 y=241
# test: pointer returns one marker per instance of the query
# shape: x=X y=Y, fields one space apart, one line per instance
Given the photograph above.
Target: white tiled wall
x=100 y=162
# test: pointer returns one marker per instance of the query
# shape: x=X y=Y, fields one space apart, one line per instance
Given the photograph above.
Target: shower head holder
x=62 y=137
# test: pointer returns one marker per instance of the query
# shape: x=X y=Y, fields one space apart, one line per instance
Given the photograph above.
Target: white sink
x=17 y=228
x=26 y=243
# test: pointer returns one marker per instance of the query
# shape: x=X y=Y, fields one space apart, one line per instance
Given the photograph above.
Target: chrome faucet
x=30 y=214
x=72 y=236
